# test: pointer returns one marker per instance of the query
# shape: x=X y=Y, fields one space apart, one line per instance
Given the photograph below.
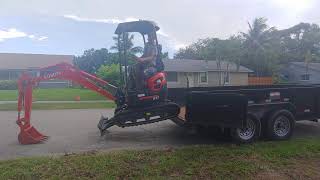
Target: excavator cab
x=154 y=88
x=136 y=107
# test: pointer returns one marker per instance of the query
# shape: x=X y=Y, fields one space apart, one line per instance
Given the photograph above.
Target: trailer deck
x=248 y=112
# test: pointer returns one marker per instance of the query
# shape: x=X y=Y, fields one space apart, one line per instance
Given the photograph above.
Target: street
x=76 y=131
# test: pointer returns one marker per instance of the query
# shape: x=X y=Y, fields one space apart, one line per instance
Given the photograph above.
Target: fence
x=260 y=81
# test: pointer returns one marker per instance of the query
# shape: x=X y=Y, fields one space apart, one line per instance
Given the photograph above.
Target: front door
x=190 y=79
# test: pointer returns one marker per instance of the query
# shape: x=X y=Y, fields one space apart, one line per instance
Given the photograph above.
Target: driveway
x=76 y=131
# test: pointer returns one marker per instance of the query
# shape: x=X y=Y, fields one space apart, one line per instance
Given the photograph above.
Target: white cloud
x=41 y=38
x=162 y=33
x=294 y=6
x=178 y=46
x=109 y=21
x=174 y=43
x=31 y=36
x=13 y=33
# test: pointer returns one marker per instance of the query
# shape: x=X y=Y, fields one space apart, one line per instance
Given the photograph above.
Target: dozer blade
x=140 y=116
x=31 y=135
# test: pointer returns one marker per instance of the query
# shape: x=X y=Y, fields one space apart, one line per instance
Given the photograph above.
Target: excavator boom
x=28 y=134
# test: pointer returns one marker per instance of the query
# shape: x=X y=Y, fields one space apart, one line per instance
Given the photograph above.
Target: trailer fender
x=276 y=107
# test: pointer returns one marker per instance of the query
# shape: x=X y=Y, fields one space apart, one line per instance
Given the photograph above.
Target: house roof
x=31 y=61
x=313 y=66
x=188 y=65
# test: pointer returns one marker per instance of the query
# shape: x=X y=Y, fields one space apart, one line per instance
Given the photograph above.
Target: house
x=13 y=64
x=201 y=73
x=301 y=72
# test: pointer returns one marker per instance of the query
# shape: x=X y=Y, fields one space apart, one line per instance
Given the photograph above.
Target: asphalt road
x=76 y=131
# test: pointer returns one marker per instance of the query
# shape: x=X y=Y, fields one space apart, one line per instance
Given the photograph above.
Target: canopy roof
x=142 y=26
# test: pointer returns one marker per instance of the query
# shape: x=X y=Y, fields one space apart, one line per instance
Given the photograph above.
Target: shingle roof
x=313 y=66
x=26 y=61
x=188 y=65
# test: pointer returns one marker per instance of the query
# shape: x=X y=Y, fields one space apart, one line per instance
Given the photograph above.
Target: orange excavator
x=134 y=107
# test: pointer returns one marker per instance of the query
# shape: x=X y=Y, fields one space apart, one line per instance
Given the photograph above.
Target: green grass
x=299 y=158
x=66 y=94
x=51 y=106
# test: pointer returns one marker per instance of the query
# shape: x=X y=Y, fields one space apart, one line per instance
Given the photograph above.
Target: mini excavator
x=133 y=107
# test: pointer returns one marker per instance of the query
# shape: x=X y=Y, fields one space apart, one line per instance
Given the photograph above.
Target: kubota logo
x=52 y=75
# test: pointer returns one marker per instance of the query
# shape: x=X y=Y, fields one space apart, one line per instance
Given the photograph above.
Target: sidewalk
x=90 y=101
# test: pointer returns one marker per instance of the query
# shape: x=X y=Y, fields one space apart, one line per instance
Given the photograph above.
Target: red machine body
x=134 y=107
x=28 y=134
x=157 y=82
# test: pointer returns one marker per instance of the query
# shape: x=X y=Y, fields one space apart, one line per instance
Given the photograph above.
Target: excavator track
x=140 y=116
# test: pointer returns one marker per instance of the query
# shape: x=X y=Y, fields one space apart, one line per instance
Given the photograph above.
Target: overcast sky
x=71 y=26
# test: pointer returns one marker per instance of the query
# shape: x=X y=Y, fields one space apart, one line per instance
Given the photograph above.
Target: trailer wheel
x=249 y=133
x=280 y=125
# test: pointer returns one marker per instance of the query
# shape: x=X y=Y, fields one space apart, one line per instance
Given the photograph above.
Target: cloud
x=162 y=33
x=172 y=42
x=109 y=21
x=13 y=33
x=31 y=36
x=41 y=38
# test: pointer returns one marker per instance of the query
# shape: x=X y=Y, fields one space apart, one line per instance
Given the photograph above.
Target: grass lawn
x=294 y=159
x=66 y=94
x=50 y=106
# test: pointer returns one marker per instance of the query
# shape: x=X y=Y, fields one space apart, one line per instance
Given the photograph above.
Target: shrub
x=8 y=85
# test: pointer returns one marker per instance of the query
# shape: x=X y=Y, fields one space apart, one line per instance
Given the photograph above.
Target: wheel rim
x=281 y=126
x=247 y=132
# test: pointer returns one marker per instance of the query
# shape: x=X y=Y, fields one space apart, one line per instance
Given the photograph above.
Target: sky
x=72 y=26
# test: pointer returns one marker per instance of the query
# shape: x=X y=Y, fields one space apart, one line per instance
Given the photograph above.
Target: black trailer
x=248 y=112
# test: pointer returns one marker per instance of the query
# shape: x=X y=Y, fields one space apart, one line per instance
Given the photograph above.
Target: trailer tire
x=280 y=125
x=247 y=134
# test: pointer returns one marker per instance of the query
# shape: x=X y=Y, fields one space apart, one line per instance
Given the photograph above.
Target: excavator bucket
x=31 y=135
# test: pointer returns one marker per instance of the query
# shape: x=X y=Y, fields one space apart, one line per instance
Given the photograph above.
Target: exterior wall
x=181 y=83
x=294 y=73
x=236 y=78
x=10 y=74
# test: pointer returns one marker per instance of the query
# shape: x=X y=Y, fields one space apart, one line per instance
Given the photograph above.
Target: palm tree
x=258 y=34
x=126 y=43
x=258 y=42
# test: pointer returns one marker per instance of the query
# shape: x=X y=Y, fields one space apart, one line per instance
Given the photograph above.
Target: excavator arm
x=28 y=134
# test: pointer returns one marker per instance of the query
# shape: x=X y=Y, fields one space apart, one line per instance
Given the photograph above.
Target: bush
x=8 y=85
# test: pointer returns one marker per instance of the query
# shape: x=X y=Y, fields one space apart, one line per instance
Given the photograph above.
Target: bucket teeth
x=31 y=135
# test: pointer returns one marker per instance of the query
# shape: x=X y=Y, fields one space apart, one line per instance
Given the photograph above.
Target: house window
x=172 y=76
x=305 y=77
x=226 y=78
x=203 y=77
x=4 y=75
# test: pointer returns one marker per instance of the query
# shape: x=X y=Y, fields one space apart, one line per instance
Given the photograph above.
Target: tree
x=213 y=49
x=92 y=59
x=165 y=55
x=126 y=43
x=298 y=40
x=110 y=73
x=260 y=53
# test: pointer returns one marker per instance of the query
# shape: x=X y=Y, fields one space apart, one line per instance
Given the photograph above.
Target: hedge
x=8 y=85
